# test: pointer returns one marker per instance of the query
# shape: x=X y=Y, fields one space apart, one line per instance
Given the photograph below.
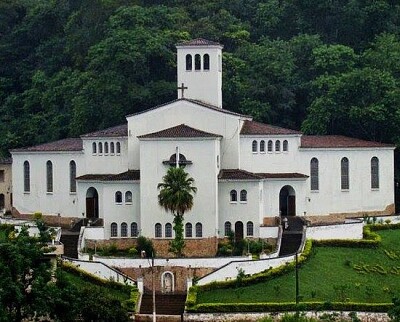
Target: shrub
x=145 y=244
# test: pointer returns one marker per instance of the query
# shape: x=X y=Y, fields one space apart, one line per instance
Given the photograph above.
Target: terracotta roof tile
x=180 y=131
x=199 y=42
x=201 y=103
x=256 y=128
x=130 y=175
x=237 y=174
x=70 y=144
x=115 y=131
x=338 y=141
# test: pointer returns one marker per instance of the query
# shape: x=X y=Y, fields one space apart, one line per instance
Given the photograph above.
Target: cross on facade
x=182 y=88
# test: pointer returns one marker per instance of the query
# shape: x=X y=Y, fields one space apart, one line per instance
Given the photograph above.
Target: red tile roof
x=70 y=144
x=256 y=128
x=237 y=174
x=180 y=131
x=338 y=141
x=199 y=42
x=115 y=131
x=130 y=175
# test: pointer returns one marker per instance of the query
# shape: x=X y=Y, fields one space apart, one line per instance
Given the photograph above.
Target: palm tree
x=176 y=196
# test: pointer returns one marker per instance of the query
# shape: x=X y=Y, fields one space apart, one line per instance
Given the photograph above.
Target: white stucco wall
x=204 y=170
x=350 y=230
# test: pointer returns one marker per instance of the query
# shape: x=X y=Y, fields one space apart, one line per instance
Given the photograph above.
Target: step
x=166 y=304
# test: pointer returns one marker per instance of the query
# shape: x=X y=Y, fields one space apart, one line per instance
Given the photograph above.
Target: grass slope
x=329 y=275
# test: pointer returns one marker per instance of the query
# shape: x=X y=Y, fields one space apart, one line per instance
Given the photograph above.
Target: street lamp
x=143 y=253
x=297 y=279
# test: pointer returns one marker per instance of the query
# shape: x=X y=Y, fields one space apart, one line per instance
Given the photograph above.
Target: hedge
x=289 y=306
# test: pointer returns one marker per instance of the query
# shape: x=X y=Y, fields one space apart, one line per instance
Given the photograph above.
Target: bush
x=145 y=244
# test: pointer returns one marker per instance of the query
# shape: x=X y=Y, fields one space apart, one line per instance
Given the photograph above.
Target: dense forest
x=73 y=66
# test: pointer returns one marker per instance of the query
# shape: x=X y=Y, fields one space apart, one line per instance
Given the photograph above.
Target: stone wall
x=50 y=220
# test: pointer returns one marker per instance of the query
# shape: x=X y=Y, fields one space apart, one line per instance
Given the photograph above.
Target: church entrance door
x=238 y=231
x=287 y=201
x=92 y=203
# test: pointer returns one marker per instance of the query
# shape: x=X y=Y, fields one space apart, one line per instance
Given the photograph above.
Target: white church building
x=245 y=172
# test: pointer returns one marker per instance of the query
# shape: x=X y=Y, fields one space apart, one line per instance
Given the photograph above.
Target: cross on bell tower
x=182 y=89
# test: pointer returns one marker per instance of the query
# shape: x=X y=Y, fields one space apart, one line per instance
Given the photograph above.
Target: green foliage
x=146 y=245
x=394 y=312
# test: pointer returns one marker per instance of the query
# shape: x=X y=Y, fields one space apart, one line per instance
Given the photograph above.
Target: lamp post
x=143 y=254
x=297 y=279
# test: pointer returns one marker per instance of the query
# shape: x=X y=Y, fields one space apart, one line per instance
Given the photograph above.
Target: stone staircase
x=169 y=306
x=292 y=236
x=70 y=241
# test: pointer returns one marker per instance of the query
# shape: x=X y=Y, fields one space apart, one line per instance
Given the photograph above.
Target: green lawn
x=329 y=275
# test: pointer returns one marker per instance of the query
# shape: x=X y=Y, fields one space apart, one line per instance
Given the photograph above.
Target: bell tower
x=200 y=71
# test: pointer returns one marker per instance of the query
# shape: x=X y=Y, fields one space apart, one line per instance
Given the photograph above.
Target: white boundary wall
x=351 y=230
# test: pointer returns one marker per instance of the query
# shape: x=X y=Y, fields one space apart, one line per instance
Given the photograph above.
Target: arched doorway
x=287 y=201
x=238 y=231
x=92 y=203
x=2 y=202
x=167 y=282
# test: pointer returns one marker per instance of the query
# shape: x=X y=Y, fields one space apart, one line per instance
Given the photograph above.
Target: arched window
x=100 y=148
x=158 y=230
x=243 y=196
x=254 y=146
x=94 y=148
x=49 y=176
x=188 y=230
x=128 y=197
x=199 y=230
x=344 y=169
x=277 y=145
x=72 y=176
x=168 y=230
x=134 y=229
x=188 y=62
x=118 y=148
x=262 y=146
x=270 y=146
x=206 y=62
x=285 y=146
x=228 y=228
x=114 y=229
x=118 y=197
x=314 y=174
x=106 y=147
x=233 y=194
x=27 y=177
x=197 y=62
x=112 y=148
x=250 y=228
x=374 y=173
x=124 y=229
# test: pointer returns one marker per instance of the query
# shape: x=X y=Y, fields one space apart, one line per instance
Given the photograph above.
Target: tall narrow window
x=168 y=230
x=243 y=196
x=124 y=229
x=314 y=174
x=72 y=176
x=112 y=148
x=197 y=62
x=206 y=62
x=128 y=197
x=374 y=173
x=270 y=146
x=27 y=177
x=188 y=230
x=262 y=146
x=277 y=145
x=118 y=197
x=106 y=148
x=94 y=148
x=49 y=176
x=254 y=146
x=158 y=230
x=199 y=230
x=100 y=148
x=188 y=62
x=114 y=229
x=285 y=146
x=134 y=229
x=250 y=228
x=118 y=148
x=228 y=228
x=233 y=194
x=344 y=168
